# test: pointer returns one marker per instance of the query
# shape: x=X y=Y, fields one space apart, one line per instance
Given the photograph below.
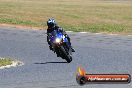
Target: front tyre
x=67 y=57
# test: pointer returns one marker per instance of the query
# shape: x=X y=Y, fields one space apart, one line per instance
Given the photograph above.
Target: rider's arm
x=61 y=29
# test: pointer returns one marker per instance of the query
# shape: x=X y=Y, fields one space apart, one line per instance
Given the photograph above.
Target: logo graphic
x=83 y=78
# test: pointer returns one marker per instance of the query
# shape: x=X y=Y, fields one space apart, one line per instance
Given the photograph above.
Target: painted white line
x=14 y=64
x=69 y=31
x=113 y=34
x=98 y=33
x=94 y=33
x=82 y=32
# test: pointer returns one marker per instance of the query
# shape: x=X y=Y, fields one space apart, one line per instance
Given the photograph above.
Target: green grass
x=5 y=61
x=21 y=22
x=74 y=15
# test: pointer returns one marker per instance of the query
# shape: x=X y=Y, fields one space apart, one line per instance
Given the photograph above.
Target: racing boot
x=69 y=42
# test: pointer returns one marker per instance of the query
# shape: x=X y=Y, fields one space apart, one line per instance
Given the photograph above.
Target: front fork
x=58 y=50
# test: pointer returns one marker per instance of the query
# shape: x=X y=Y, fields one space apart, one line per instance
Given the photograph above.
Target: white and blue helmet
x=51 y=23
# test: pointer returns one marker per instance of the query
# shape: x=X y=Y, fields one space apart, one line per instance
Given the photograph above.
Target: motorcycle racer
x=52 y=25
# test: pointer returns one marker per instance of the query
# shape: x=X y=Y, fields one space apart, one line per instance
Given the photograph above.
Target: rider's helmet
x=51 y=23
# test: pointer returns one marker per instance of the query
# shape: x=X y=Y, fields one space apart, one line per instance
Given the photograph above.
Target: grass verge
x=5 y=61
x=111 y=16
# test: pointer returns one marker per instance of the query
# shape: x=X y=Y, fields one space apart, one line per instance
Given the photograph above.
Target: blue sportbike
x=60 y=45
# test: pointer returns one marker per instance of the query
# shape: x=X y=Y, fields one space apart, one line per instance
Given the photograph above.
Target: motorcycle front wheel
x=67 y=56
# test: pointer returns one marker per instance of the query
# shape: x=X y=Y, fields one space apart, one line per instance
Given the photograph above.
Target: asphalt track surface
x=96 y=53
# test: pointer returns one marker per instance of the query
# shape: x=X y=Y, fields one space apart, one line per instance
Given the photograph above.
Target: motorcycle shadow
x=50 y=62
